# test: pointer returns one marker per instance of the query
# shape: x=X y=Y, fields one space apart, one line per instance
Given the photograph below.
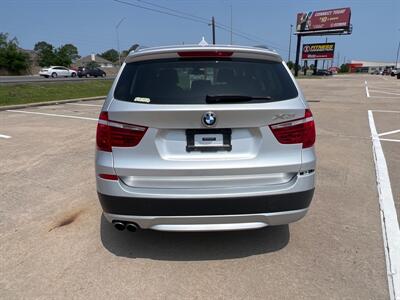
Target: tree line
x=12 y=58
x=16 y=61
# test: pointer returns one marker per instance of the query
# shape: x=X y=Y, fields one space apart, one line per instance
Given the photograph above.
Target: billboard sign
x=318 y=51
x=324 y=20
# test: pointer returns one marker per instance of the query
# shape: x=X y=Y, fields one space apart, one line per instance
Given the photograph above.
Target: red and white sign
x=324 y=20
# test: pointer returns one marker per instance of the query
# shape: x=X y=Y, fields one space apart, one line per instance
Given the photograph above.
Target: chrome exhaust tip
x=132 y=227
x=119 y=225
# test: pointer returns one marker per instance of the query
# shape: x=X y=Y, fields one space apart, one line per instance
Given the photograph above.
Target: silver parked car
x=204 y=138
x=57 y=71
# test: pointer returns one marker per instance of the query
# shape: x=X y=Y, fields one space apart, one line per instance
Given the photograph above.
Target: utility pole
x=231 y=27
x=296 y=65
x=323 y=62
x=213 y=29
x=290 y=41
x=315 y=67
x=116 y=29
x=397 y=56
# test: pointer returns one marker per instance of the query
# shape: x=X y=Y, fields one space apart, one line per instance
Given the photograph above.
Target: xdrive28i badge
x=209 y=119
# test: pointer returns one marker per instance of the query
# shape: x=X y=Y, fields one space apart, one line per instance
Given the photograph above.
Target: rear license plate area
x=208 y=140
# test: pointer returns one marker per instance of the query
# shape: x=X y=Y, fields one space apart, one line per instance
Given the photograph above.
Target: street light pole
x=290 y=41
x=398 y=50
x=213 y=29
x=116 y=29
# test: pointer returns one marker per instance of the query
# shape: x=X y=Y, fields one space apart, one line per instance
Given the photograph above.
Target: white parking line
x=389 y=132
x=383 y=97
x=84 y=104
x=51 y=115
x=383 y=92
x=366 y=89
x=386 y=89
x=5 y=136
x=390 y=225
x=390 y=140
x=387 y=111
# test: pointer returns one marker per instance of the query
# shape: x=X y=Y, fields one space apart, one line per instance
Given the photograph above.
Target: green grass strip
x=11 y=94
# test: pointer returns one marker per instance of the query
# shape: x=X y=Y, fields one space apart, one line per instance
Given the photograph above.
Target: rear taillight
x=296 y=131
x=117 y=134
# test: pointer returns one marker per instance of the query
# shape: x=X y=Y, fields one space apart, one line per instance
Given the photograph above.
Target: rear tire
x=54 y=75
x=103 y=75
x=73 y=74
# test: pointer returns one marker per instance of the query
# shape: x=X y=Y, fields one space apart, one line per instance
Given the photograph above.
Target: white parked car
x=57 y=71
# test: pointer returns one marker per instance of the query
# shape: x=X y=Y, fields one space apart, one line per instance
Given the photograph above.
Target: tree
x=133 y=47
x=125 y=53
x=11 y=57
x=70 y=50
x=344 y=68
x=46 y=55
x=92 y=65
x=111 y=55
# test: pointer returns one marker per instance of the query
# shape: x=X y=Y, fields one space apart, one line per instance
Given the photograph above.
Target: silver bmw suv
x=204 y=138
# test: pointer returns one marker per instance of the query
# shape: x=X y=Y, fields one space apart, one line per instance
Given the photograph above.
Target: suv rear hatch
x=160 y=138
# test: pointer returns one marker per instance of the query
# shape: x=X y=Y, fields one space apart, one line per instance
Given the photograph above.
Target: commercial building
x=370 y=66
x=102 y=62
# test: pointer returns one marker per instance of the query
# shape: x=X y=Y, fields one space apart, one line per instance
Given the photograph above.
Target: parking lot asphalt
x=54 y=242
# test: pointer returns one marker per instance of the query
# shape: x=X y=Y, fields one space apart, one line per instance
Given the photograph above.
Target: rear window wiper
x=234 y=98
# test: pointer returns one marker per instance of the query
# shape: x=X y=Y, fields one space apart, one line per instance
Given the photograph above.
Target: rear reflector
x=205 y=53
x=108 y=176
x=296 y=131
x=117 y=134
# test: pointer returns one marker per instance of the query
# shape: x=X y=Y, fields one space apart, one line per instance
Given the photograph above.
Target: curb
x=17 y=106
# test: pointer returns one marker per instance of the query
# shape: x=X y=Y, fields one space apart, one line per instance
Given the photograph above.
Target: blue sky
x=90 y=24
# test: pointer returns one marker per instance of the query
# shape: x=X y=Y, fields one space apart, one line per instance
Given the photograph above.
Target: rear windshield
x=181 y=81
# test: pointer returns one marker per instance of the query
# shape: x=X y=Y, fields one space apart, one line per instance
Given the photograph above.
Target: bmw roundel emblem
x=209 y=119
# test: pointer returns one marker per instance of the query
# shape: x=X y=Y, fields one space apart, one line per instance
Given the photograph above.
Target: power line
x=174 y=10
x=187 y=16
x=224 y=27
x=159 y=11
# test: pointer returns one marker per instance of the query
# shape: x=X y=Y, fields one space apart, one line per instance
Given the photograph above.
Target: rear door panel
x=161 y=159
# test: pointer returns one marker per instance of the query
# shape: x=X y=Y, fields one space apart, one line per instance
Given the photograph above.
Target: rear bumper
x=207 y=214
x=210 y=223
x=206 y=206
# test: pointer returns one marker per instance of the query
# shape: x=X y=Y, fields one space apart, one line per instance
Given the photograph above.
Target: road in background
x=55 y=243
x=36 y=78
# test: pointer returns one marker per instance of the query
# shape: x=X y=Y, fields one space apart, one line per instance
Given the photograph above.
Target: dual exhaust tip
x=119 y=225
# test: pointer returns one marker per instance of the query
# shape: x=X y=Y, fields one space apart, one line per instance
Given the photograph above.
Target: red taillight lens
x=117 y=134
x=103 y=133
x=108 y=176
x=205 y=54
x=296 y=131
